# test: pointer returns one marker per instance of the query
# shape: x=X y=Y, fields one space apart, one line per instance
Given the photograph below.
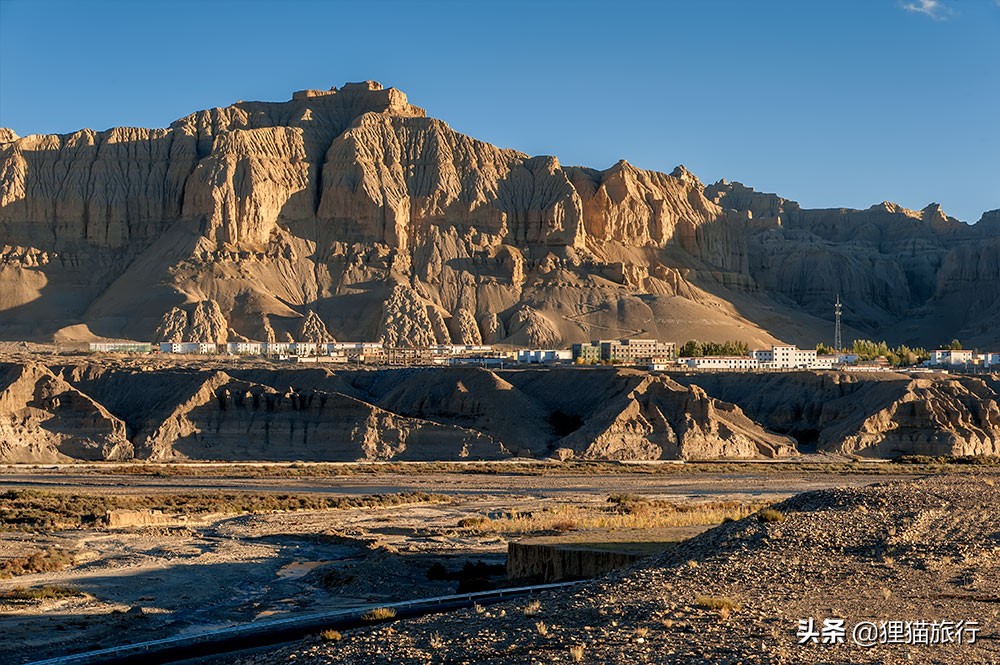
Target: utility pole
x=837 y=309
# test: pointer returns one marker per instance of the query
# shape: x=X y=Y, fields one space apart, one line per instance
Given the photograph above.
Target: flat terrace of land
x=515 y=478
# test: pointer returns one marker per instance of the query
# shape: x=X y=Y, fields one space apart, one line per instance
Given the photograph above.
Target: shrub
x=473 y=522
x=46 y=592
x=718 y=603
x=379 y=614
x=39 y=562
x=565 y=525
x=770 y=516
x=332 y=578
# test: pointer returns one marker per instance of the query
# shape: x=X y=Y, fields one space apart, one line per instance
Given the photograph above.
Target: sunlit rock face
x=348 y=213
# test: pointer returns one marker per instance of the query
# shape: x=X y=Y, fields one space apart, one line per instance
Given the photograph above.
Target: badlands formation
x=349 y=214
x=79 y=411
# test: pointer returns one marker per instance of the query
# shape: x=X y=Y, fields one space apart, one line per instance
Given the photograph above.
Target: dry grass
x=436 y=641
x=576 y=652
x=770 y=516
x=718 y=603
x=35 y=510
x=39 y=562
x=330 y=636
x=533 y=608
x=631 y=514
x=526 y=468
x=542 y=628
x=47 y=592
x=379 y=614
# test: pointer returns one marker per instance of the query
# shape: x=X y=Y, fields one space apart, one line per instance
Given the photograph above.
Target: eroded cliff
x=88 y=411
x=352 y=212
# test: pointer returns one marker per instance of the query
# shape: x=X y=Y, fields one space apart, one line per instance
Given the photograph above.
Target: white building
x=731 y=363
x=119 y=347
x=277 y=348
x=825 y=362
x=460 y=349
x=353 y=347
x=188 y=347
x=990 y=359
x=544 y=356
x=245 y=348
x=952 y=357
x=786 y=356
x=303 y=348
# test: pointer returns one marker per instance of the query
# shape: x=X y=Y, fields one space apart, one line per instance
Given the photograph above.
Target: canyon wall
x=350 y=214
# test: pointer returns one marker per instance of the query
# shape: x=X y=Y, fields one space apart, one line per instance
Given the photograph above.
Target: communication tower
x=837 y=309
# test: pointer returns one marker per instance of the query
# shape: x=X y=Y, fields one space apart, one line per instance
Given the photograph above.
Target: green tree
x=955 y=345
x=692 y=349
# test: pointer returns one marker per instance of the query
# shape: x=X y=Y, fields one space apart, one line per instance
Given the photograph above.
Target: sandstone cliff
x=353 y=209
x=83 y=411
x=45 y=419
x=869 y=415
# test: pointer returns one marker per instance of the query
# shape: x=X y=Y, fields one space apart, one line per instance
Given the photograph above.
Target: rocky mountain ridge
x=353 y=209
x=76 y=411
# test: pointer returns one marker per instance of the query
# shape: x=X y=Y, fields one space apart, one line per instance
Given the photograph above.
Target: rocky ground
x=896 y=552
x=156 y=581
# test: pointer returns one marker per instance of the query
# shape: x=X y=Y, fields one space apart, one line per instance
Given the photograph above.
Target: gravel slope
x=900 y=551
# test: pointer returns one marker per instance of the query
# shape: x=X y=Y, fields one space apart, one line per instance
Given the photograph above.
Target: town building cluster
x=651 y=354
x=963 y=359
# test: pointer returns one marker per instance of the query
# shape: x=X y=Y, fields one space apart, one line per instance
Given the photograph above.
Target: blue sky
x=828 y=102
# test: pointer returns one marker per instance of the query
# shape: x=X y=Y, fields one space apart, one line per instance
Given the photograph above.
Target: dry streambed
x=181 y=562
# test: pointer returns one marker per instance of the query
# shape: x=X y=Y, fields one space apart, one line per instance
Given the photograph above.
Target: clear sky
x=828 y=102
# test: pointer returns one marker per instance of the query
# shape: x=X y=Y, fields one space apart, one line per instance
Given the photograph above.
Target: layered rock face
x=93 y=412
x=352 y=208
x=869 y=416
x=45 y=419
x=97 y=412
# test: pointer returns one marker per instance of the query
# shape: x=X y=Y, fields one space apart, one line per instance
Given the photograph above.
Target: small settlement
x=651 y=354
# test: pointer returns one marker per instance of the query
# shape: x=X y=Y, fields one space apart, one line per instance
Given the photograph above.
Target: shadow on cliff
x=100 y=224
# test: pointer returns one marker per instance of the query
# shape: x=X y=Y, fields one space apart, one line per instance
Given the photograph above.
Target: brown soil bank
x=90 y=411
x=905 y=551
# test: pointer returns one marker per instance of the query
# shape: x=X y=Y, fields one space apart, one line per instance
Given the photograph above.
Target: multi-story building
x=188 y=347
x=304 y=348
x=460 y=349
x=785 y=356
x=990 y=359
x=632 y=351
x=245 y=348
x=952 y=357
x=731 y=363
x=119 y=347
x=277 y=348
x=544 y=356
x=824 y=362
x=587 y=353
x=622 y=351
x=353 y=348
